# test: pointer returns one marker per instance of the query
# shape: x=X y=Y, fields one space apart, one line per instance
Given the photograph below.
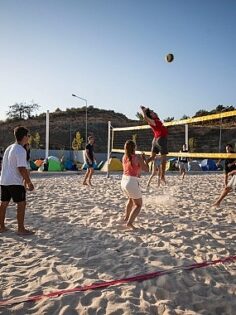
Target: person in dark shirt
x=183 y=162
x=89 y=158
x=159 y=142
x=230 y=164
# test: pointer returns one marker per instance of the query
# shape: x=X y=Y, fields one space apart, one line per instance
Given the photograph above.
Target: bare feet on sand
x=216 y=205
x=25 y=232
x=130 y=226
x=163 y=181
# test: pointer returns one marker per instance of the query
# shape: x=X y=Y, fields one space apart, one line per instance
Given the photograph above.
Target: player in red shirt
x=159 y=142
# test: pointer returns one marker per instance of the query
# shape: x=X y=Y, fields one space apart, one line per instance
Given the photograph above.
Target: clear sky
x=111 y=52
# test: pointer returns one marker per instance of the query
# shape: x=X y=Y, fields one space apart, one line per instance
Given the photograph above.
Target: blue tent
x=69 y=165
x=208 y=165
x=85 y=166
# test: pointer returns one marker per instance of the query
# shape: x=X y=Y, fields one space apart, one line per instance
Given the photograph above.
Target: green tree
x=22 y=110
x=184 y=117
x=134 y=138
x=16 y=111
x=36 y=140
x=220 y=108
x=192 y=144
x=77 y=141
x=201 y=112
x=30 y=108
x=169 y=119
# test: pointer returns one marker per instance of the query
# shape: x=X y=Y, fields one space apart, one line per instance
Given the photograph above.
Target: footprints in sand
x=79 y=242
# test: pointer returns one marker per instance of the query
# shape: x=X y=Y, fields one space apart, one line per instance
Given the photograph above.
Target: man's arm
x=25 y=174
x=87 y=155
x=143 y=162
x=148 y=120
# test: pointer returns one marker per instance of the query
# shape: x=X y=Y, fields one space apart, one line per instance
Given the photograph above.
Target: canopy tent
x=194 y=166
x=208 y=165
x=33 y=166
x=114 y=165
x=171 y=165
x=52 y=164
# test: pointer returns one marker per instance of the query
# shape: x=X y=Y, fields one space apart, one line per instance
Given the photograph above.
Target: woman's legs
x=154 y=172
x=128 y=209
x=88 y=176
x=163 y=168
x=91 y=170
x=3 y=208
x=222 y=196
x=134 y=213
x=85 y=177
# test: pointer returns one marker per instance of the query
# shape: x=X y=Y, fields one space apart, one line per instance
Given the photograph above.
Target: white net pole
x=108 y=146
x=47 y=135
x=186 y=135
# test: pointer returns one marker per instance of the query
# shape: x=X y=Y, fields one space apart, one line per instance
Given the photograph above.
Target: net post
x=47 y=134
x=220 y=135
x=186 y=135
x=108 y=146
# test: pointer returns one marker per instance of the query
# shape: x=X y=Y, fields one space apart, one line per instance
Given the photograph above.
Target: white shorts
x=130 y=186
x=232 y=182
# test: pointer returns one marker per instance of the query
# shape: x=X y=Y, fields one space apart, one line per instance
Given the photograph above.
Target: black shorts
x=16 y=192
x=160 y=145
x=90 y=165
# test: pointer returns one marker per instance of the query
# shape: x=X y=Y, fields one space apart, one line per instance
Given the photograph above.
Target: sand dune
x=80 y=240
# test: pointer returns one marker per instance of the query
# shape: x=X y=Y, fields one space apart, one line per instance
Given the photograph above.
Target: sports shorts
x=232 y=183
x=15 y=192
x=130 y=187
x=159 y=145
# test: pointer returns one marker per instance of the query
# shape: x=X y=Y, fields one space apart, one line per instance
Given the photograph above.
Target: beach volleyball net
x=205 y=136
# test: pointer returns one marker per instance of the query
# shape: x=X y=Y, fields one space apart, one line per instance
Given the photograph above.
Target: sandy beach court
x=80 y=240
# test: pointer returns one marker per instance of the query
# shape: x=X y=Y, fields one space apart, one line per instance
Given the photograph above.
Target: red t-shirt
x=159 y=129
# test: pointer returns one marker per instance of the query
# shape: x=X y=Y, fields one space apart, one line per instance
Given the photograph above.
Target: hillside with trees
x=64 y=126
x=67 y=128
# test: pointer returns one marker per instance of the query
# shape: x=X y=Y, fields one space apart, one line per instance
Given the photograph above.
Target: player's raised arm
x=146 y=115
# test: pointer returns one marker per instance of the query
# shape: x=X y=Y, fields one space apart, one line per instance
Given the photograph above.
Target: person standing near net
x=89 y=158
x=13 y=177
x=156 y=164
x=159 y=142
x=133 y=164
x=183 y=162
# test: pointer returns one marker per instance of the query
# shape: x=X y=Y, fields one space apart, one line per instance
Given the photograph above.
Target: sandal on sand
x=26 y=232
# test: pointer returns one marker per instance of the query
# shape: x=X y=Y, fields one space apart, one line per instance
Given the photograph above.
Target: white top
x=14 y=157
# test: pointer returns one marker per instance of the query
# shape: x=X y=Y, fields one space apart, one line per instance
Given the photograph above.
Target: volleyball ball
x=169 y=58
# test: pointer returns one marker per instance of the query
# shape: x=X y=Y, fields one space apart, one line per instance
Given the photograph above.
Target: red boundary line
x=106 y=284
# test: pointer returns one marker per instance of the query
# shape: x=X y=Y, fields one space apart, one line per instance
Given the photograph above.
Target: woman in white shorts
x=133 y=164
x=230 y=186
